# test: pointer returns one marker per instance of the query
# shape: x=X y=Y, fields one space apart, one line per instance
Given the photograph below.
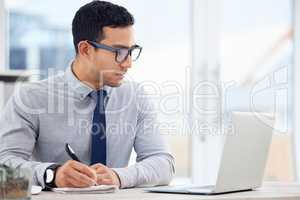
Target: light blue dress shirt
x=42 y=116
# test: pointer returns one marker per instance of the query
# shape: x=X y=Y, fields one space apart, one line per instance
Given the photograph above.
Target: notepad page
x=99 y=189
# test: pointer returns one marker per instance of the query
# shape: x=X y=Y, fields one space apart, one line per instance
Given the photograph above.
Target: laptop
x=243 y=158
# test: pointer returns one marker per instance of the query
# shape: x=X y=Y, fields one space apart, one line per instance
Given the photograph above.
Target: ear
x=84 y=49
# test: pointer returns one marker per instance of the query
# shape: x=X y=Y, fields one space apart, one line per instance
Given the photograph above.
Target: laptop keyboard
x=193 y=187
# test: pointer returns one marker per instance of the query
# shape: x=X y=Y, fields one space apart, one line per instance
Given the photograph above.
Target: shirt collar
x=78 y=87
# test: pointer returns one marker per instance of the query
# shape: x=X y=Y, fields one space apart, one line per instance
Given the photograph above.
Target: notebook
x=99 y=189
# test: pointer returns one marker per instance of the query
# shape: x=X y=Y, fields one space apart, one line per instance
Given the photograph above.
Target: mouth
x=120 y=75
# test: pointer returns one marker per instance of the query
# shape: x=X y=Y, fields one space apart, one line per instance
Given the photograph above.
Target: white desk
x=276 y=191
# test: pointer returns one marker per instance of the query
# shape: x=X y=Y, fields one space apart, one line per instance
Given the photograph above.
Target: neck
x=86 y=75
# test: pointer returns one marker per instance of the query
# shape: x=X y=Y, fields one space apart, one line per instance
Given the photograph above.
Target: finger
x=82 y=168
x=97 y=165
x=80 y=177
x=75 y=183
x=68 y=182
x=103 y=176
x=101 y=170
x=106 y=182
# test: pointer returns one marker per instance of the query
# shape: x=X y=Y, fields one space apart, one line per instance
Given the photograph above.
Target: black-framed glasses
x=121 y=53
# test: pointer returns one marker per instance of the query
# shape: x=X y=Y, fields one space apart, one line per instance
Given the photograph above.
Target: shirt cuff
x=39 y=172
x=127 y=177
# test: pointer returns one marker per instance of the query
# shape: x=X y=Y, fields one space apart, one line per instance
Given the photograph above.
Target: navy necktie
x=98 y=150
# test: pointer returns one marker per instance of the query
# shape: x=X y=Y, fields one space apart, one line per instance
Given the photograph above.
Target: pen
x=72 y=154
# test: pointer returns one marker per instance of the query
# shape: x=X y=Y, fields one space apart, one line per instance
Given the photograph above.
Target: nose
x=126 y=63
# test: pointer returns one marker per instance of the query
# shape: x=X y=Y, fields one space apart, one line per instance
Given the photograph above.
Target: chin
x=115 y=84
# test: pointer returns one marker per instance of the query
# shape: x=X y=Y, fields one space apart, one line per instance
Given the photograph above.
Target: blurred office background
x=246 y=49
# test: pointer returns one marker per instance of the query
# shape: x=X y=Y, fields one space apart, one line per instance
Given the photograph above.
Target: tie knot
x=99 y=94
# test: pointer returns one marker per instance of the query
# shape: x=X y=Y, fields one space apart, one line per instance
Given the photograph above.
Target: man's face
x=103 y=62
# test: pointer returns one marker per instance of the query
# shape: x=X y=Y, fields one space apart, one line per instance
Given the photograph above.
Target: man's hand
x=75 y=174
x=105 y=175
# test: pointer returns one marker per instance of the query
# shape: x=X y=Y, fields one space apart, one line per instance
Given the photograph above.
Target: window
x=2 y=36
x=38 y=39
x=256 y=57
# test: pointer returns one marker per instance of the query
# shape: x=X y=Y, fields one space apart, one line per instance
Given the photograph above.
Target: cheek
x=109 y=76
x=107 y=58
x=107 y=65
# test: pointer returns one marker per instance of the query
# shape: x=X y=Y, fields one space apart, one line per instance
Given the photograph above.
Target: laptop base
x=190 y=190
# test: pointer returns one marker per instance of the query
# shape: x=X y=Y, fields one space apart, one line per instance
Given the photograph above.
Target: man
x=89 y=108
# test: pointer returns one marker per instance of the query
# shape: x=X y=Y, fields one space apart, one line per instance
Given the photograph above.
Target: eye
x=123 y=52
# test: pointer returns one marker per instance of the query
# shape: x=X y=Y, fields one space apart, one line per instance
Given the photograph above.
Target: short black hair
x=90 y=19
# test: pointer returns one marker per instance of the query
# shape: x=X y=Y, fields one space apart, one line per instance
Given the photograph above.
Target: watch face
x=49 y=175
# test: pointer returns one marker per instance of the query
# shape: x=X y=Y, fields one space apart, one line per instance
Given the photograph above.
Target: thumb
x=97 y=165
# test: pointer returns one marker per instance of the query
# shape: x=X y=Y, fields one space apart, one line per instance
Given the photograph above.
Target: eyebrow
x=121 y=46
